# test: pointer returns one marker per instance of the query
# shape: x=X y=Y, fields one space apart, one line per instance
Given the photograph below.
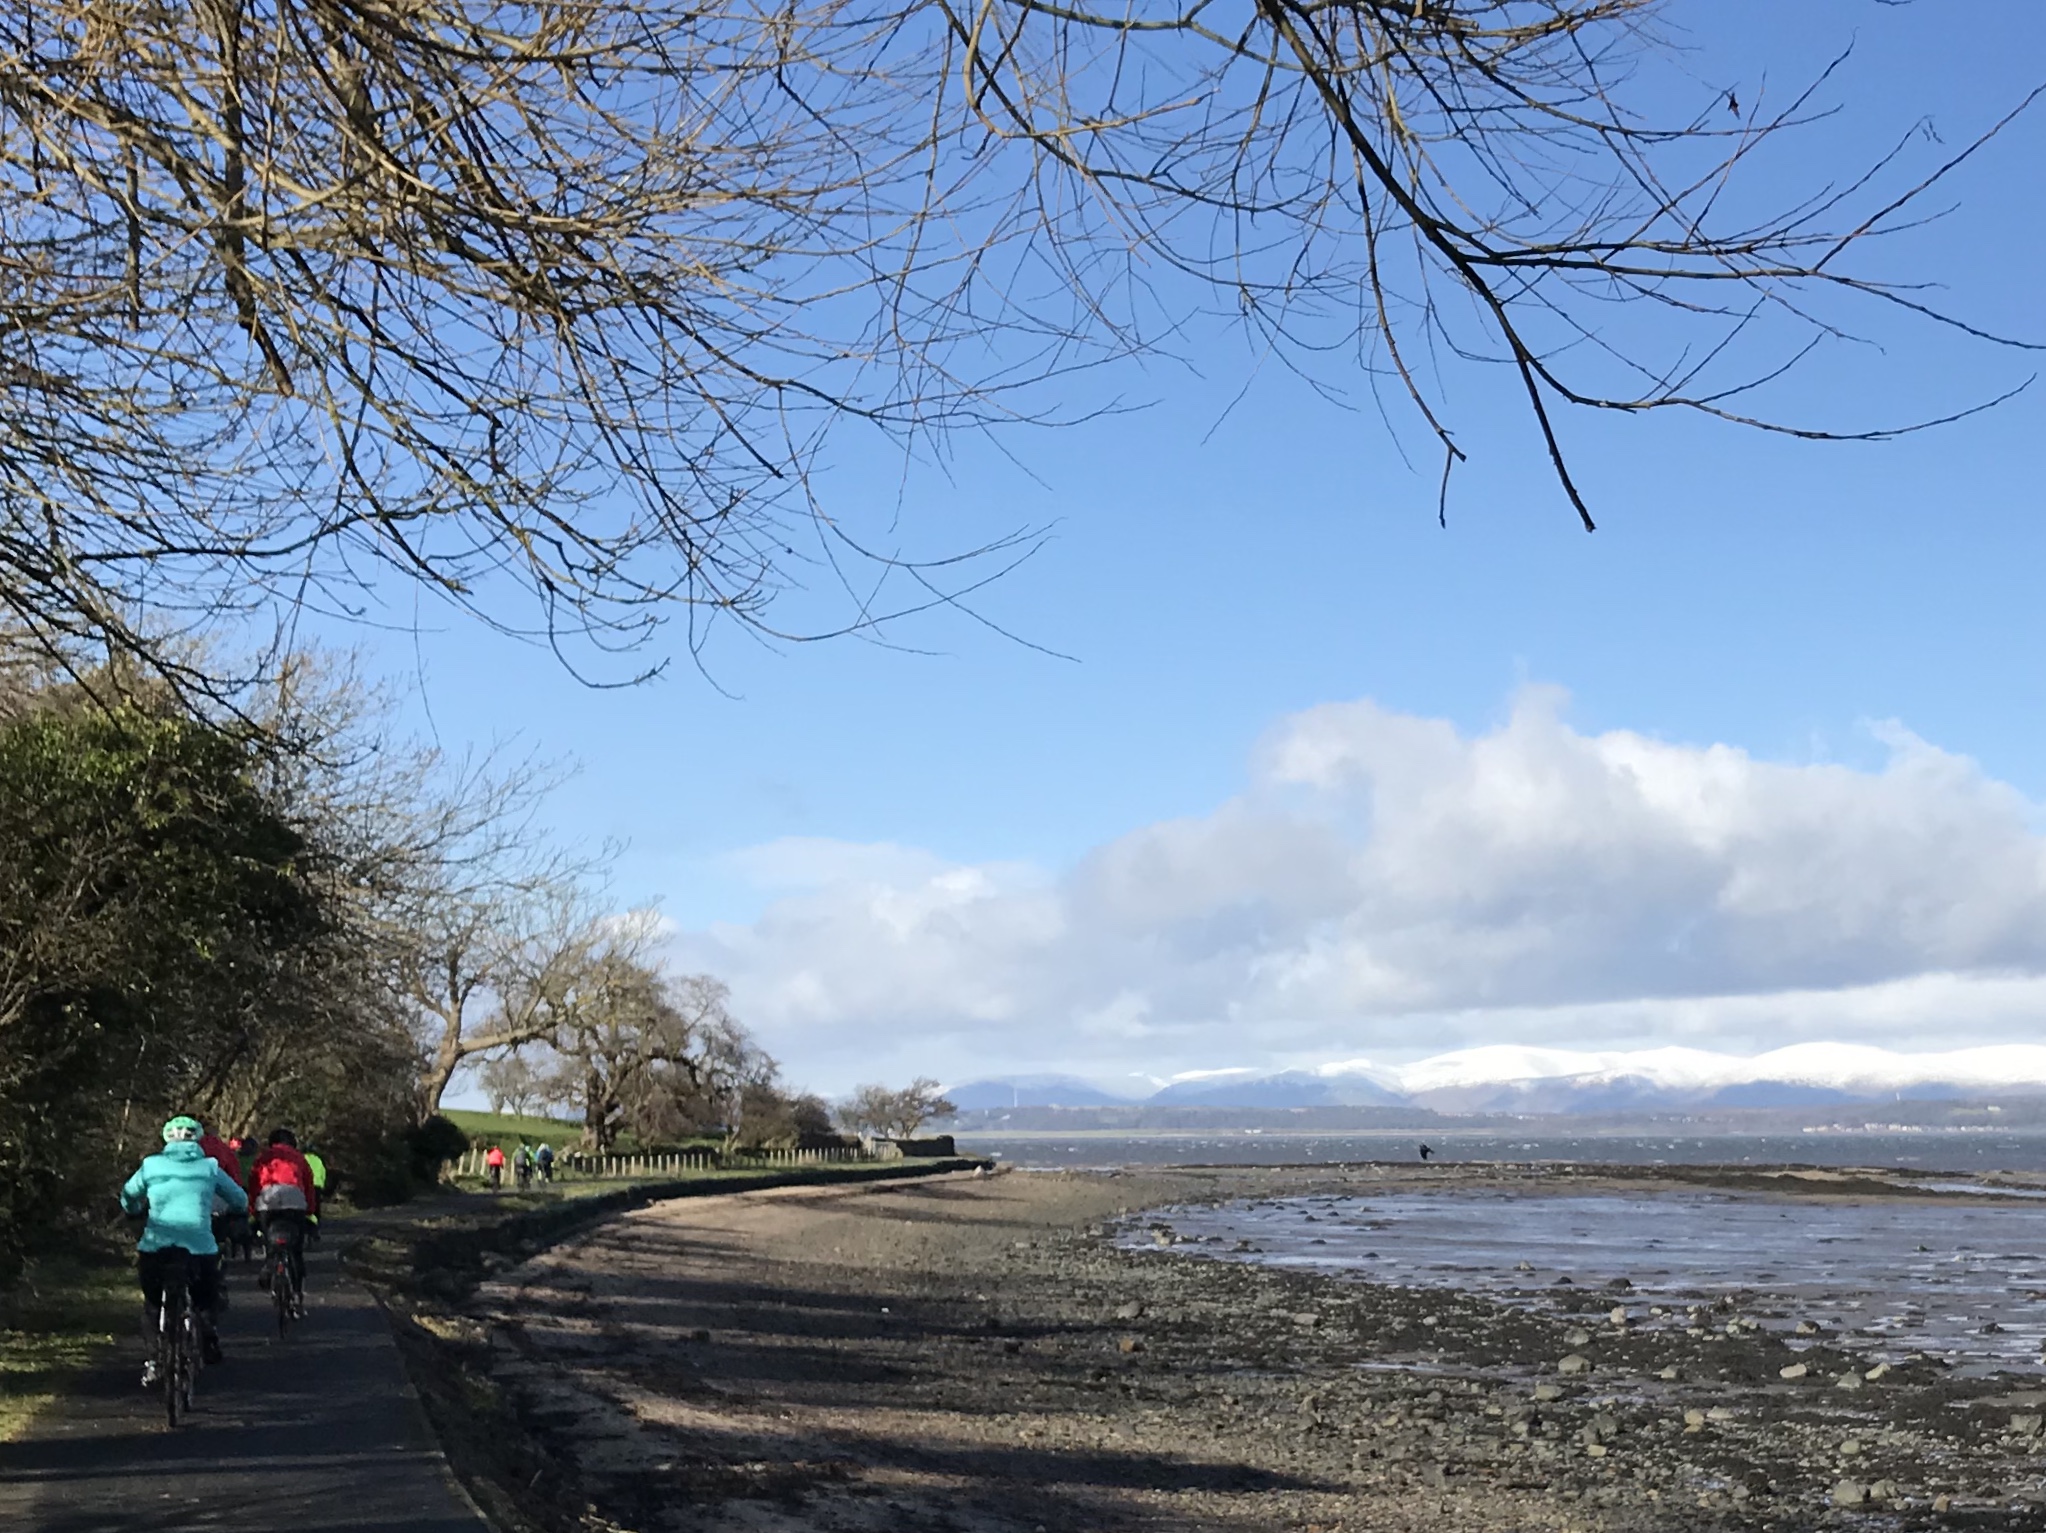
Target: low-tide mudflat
x=1022 y=1352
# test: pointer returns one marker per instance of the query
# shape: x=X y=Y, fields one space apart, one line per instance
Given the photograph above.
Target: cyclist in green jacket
x=175 y=1188
x=319 y=1166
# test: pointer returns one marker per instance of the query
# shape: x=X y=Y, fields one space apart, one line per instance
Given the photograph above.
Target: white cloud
x=816 y=862
x=1388 y=883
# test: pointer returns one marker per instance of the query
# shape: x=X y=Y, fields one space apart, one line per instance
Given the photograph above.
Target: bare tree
x=476 y=968
x=895 y=1113
x=486 y=918
x=445 y=882
x=630 y=1048
x=559 y=296
x=721 y=1081
x=512 y=1085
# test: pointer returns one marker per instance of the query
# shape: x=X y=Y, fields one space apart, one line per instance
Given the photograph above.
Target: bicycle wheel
x=190 y=1358
x=280 y=1286
x=170 y=1322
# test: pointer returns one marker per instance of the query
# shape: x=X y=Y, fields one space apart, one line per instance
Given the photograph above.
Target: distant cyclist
x=544 y=1159
x=221 y=1152
x=175 y=1188
x=284 y=1195
x=522 y=1165
x=319 y=1168
x=230 y=1225
x=493 y=1165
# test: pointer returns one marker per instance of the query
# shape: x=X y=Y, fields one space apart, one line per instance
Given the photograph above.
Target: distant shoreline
x=1547 y=1132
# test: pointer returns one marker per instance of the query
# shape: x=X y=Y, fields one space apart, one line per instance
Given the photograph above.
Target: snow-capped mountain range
x=1511 y=1078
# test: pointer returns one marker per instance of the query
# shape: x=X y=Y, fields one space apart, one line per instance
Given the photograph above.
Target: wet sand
x=987 y=1356
x=1889 y=1275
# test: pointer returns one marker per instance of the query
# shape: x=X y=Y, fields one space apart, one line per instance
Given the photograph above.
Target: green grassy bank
x=61 y=1318
x=488 y=1128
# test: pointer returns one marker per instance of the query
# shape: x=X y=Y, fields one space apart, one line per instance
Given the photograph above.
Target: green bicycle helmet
x=181 y=1127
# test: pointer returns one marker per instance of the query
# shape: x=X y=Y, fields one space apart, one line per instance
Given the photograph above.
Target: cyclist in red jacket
x=221 y=1153
x=230 y=1225
x=282 y=1193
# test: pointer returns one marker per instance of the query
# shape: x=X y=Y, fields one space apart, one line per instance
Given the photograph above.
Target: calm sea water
x=1965 y=1152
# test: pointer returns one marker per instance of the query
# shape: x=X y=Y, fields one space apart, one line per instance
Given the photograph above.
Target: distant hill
x=1515 y=1079
x=1529 y=1080
x=1030 y=1091
x=1289 y=1088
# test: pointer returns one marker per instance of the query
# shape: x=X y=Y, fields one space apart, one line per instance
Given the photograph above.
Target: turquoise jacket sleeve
x=230 y=1189
x=134 y=1192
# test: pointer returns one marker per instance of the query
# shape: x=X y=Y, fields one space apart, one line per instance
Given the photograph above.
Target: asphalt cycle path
x=317 y=1431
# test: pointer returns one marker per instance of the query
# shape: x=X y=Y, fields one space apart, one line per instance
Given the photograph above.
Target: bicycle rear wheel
x=280 y=1288
x=170 y=1324
x=190 y=1357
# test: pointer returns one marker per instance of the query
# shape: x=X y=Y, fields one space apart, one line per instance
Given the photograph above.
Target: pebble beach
x=1059 y=1352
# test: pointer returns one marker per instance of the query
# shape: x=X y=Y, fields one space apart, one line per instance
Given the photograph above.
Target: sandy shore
x=976 y=1356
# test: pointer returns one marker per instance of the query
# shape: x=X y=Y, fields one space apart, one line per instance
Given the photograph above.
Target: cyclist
x=522 y=1164
x=493 y=1165
x=230 y=1225
x=544 y=1159
x=175 y=1188
x=319 y=1167
x=281 y=1184
x=220 y=1151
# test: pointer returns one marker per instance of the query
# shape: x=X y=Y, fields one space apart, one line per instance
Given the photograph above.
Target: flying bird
x=1733 y=103
x=1426 y=1152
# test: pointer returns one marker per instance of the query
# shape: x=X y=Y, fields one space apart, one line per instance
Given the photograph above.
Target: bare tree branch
x=549 y=306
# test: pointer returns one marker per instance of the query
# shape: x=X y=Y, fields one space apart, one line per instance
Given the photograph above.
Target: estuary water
x=1970 y=1152
x=1958 y=1277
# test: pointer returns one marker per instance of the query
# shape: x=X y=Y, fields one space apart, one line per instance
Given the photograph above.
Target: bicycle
x=232 y=1234
x=179 y=1356
x=282 y=1273
x=524 y=1171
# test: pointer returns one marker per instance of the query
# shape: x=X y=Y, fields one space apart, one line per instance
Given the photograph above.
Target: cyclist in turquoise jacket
x=176 y=1188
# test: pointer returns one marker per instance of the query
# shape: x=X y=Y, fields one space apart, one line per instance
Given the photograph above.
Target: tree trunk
x=450 y=1007
x=597 y=1107
x=447 y=1058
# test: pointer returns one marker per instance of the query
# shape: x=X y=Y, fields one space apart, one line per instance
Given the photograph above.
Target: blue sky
x=1218 y=573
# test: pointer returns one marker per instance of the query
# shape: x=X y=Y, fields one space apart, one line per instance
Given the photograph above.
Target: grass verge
x=422 y=1259
x=486 y=1128
x=60 y=1318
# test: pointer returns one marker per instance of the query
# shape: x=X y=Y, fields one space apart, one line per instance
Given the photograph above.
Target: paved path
x=316 y=1432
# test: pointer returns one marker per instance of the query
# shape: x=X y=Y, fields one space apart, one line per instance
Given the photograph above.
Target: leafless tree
x=512 y=1085
x=474 y=967
x=627 y=1047
x=718 y=1080
x=895 y=1113
x=442 y=879
x=559 y=296
x=488 y=918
